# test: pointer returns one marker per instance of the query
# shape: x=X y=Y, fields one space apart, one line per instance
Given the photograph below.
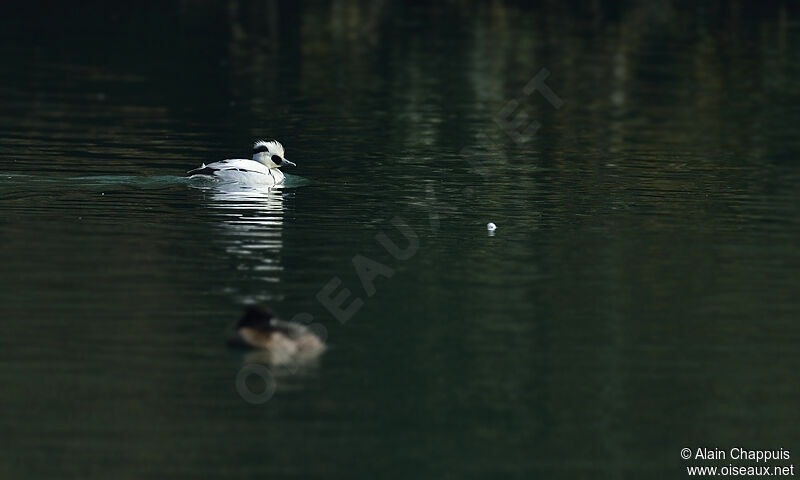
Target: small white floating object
x=491 y=227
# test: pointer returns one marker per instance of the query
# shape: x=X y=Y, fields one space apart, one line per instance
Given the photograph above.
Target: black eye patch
x=276 y=160
x=259 y=149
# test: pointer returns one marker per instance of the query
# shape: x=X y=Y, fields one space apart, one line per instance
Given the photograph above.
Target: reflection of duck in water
x=250 y=221
x=283 y=342
x=263 y=169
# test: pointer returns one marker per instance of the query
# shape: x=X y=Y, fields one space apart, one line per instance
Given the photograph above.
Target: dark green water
x=638 y=297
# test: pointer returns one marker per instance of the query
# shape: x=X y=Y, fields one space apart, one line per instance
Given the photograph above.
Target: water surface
x=638 y=297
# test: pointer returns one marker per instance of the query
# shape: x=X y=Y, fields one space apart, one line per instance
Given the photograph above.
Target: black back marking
x=201 y=171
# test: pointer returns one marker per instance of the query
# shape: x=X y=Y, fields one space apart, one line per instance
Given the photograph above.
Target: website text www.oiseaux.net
x=755 y=458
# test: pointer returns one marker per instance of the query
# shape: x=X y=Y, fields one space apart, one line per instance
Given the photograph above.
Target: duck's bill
x=287 y=162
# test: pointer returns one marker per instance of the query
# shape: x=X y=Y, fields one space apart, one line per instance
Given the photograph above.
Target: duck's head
x=270 y=153
x=254 y=328
x=256 y=317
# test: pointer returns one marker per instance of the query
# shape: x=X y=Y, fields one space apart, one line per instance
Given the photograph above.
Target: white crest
x=274 y=147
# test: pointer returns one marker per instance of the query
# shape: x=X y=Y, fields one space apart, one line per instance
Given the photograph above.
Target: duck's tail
x=203 y=170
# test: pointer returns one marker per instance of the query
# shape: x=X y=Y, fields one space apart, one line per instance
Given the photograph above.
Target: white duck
x=263 y=169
